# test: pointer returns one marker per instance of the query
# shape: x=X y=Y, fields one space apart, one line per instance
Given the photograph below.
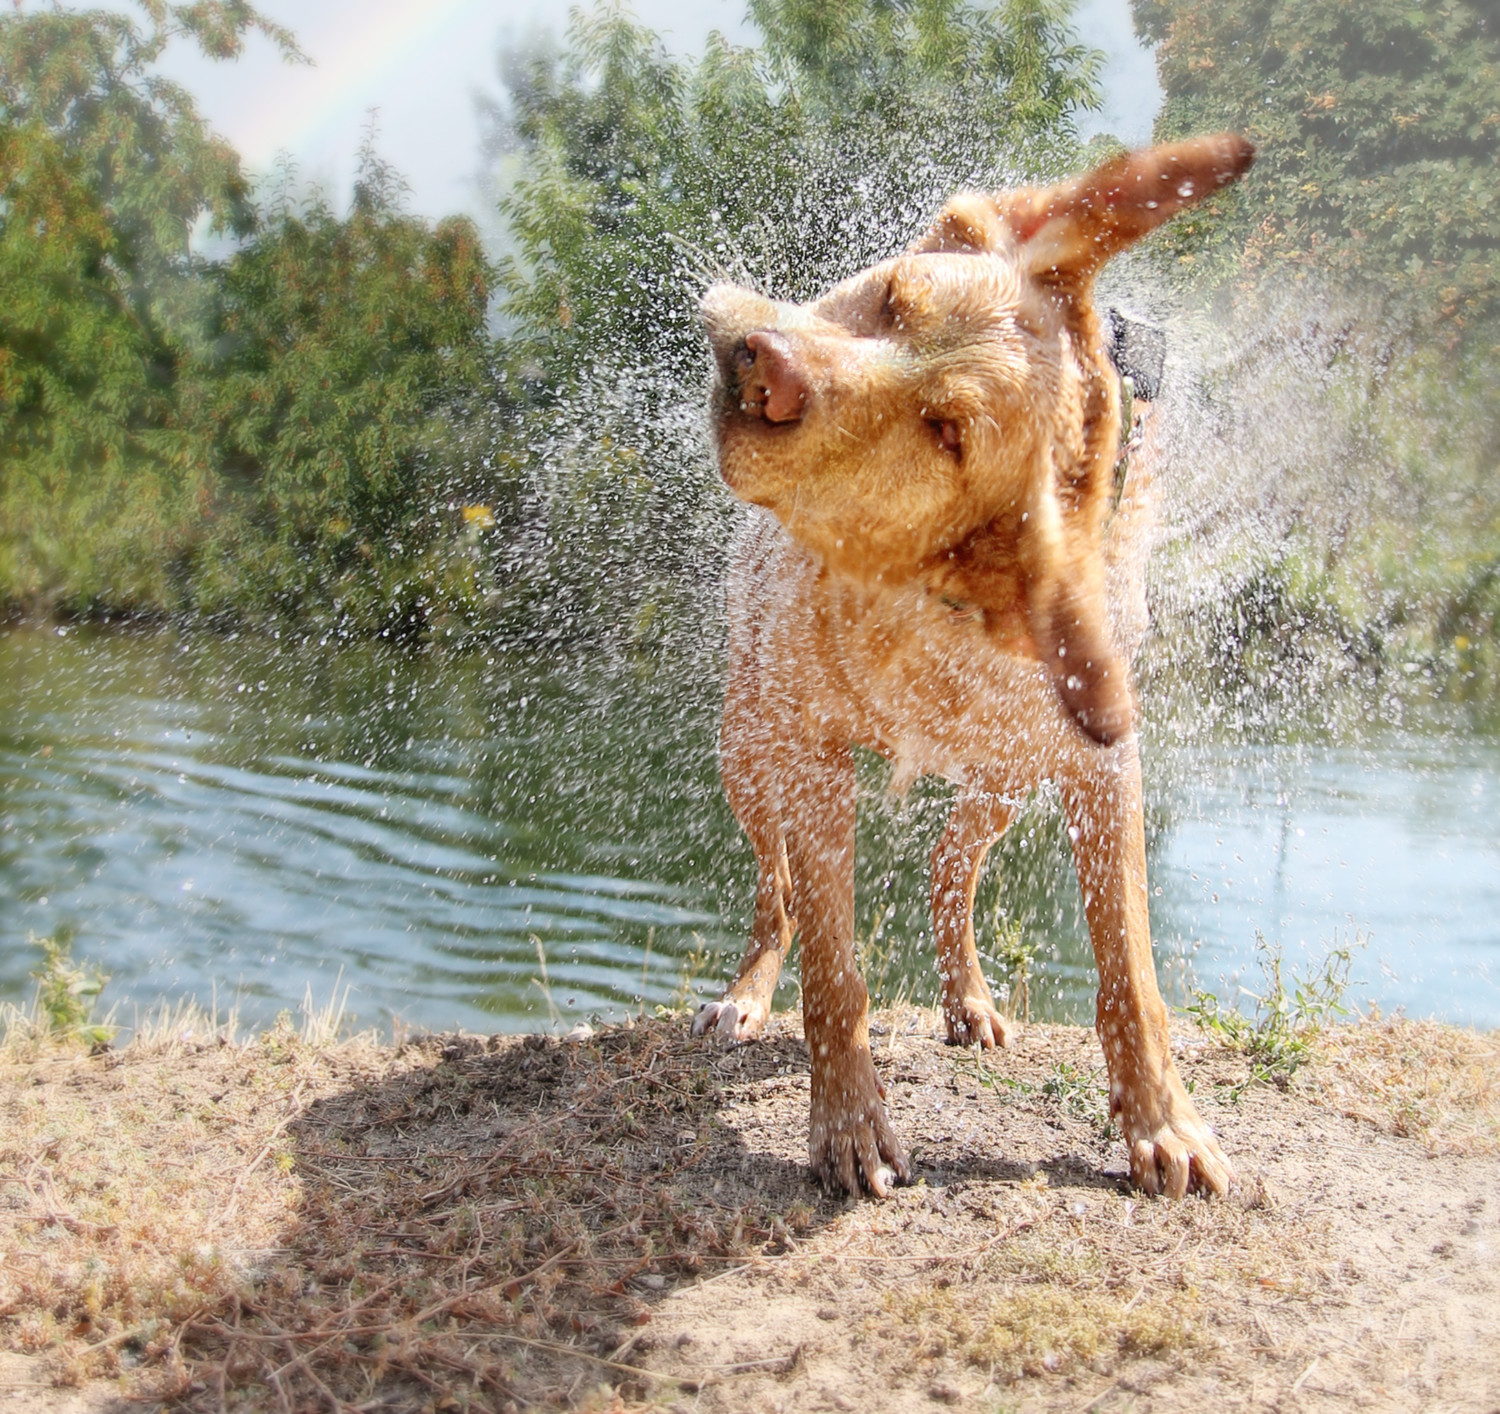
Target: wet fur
x=944 y=576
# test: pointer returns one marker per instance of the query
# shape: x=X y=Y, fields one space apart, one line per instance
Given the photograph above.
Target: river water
x=512 y=841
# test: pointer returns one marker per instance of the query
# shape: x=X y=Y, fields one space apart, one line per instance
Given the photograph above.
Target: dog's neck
x=982 y=579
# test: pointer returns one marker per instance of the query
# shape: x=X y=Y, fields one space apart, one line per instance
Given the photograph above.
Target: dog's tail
x=1130 y=533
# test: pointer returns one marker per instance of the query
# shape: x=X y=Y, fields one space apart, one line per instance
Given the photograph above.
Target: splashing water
x=251 y=816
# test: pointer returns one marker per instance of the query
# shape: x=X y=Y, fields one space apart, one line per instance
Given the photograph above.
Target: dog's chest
x=901 y=673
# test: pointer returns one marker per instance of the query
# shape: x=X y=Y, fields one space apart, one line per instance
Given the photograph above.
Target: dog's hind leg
x=979 y=818
x=746 y=759
x=1171 y=1148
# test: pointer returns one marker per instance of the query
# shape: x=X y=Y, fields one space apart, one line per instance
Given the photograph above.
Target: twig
x=56 y=1212
x=558 y=1348
x=1302 y=1378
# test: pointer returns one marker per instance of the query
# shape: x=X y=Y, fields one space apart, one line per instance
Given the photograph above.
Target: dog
x=947 y=576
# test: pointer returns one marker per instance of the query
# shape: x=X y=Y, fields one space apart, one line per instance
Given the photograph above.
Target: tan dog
x=936 y=439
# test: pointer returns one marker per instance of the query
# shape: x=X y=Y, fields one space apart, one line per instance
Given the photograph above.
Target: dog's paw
x=1172 y=1150
x=973 y=1020
x=735 y=1021
x=850 y=1141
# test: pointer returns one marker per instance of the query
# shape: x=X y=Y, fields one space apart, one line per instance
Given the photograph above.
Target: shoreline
x=625 y=1219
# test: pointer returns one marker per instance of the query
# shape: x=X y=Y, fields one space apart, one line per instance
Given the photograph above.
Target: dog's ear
x=1068 y=231
x=1065 y=596
x=970 y=222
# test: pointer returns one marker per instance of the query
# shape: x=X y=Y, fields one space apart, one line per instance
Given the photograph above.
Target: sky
x=421 y=64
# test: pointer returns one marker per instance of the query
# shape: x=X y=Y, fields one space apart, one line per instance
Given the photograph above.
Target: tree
x=1377 y=126
x=334 y=349
x=105 y=168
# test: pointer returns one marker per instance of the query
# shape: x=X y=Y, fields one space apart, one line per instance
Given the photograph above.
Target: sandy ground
x=625 y=1221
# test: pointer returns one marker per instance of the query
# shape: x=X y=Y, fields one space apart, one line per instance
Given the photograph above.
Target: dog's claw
x=851 y=1145
x=973 y=1020
x=734 y=1021
x=1172 y=1151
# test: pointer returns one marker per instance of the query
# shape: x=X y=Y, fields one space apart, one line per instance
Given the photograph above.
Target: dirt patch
x=625 y=1220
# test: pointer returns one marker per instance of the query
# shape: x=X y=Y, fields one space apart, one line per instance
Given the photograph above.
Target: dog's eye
x=946 y=431
x=893 y=314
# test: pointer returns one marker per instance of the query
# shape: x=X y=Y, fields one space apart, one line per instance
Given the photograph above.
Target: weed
x=325 y=1025
x=66 y=993
x=1015 y=957
x=887 y=985
x=970 y=1063
x=694 y=965
x=1079 y=1093
x=1279 y=1037
x=542 y=982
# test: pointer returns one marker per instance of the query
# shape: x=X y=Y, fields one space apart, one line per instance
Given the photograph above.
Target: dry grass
x=253 y=1220
x=123 y=1193
x=290 y=1222
x=1416 y=1079
x=1071 y=1284
x=1042 y=1328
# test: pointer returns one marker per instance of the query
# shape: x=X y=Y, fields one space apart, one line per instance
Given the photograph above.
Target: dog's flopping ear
x=1068 y=231
x=1065 y=595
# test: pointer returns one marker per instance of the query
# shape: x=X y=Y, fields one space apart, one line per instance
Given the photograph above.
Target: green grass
x=67 y=995
x=1288 y=1016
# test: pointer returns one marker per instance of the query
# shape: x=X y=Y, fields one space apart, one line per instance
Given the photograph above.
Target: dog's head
x=951 y=415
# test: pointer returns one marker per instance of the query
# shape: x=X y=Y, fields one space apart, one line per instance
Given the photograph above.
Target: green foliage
x=336 y=348
x=1080 y=1093
x=1016 y=956
x=250 y=435
x=1278 y=1038
x=104 y=170
x=1083 y=1094
x=310 y=426
x=1377 y=126
x=67 y=992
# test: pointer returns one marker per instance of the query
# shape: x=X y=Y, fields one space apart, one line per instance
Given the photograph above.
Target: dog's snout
x=771 y=384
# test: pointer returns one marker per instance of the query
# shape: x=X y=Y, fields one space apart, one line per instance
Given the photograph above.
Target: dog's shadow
x=577 y=1182
x=517 y=1207
x=587 y=1177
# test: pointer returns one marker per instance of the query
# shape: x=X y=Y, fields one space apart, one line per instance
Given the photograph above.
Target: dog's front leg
x=1171 y=1148
x=850 y=1139
x=747 y=751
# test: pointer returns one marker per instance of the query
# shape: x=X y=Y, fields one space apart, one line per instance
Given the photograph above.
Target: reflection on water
x=239 y=817
x=1400 y=846
x=209 y=812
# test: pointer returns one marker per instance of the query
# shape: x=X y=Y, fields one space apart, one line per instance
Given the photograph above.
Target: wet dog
x=949 y=576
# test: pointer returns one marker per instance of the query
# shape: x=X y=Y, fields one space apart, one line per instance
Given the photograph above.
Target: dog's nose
x=771 y=385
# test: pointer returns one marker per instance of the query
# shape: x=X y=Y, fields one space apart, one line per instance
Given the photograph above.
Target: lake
x=507 y=841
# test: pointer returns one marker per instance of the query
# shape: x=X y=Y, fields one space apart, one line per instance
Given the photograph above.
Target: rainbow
x=359 y=54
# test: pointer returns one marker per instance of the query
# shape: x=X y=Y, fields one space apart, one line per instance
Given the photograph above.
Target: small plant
x=694 y=965
x=66 y=992
x=1016 y=958
x=1079 y=1093
x=886 y=983
x=1279 y=1036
